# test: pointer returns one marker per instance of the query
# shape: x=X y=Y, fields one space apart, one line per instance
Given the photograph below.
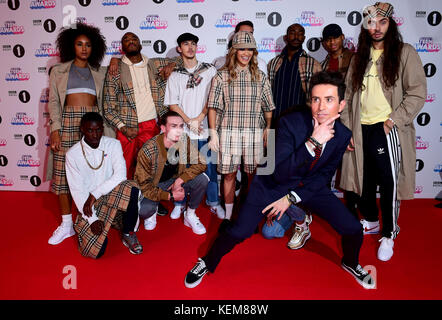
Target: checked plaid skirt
x=110 y=209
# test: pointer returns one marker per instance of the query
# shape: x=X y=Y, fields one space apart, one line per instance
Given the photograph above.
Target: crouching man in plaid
x=169 y=167
x=96 y=174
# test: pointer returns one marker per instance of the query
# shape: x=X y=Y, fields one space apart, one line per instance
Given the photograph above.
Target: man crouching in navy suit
x=309 y=147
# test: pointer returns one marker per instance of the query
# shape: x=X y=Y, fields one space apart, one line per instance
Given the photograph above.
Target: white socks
x=190 y=211
x=66 y=220
x=229 y=209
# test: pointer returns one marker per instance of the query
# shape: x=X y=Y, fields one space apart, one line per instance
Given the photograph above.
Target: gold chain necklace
x=84 y=155
x=80 y=75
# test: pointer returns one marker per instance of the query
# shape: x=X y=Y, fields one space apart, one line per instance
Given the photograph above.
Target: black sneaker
x=131 y=241
x=194 y=276
x=361 y=276
x=161 y=211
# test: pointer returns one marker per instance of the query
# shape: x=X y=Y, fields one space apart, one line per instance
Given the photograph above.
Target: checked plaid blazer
x=119 y=98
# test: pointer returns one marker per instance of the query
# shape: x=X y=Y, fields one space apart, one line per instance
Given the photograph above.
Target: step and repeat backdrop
x=28 y=29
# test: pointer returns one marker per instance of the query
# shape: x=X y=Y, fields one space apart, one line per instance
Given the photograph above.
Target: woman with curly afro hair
x=75 y=88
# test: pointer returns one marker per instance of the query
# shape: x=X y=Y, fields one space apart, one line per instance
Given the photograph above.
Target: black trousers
x=382 y=156
x=325 y=204
x=130 y=218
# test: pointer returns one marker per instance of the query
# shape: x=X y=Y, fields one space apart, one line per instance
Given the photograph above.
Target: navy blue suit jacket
x=292 y=161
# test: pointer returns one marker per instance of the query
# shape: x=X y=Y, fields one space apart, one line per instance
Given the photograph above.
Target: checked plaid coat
x=119 y=98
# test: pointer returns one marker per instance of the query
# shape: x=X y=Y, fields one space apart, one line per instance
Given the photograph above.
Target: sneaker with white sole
x=194 y=276
x=150 y=223
x=370 y=227
x=361 y=276
x=177 y=211
x=192 y=221
x=61 y=233
x=385 y=251
x=300 y=236
x=218 y=210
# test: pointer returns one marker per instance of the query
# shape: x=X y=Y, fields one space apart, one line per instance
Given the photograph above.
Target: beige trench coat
x=406 y=98
x=58 y=82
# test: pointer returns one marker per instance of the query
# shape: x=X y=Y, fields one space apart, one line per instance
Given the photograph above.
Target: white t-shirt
x=190 y=100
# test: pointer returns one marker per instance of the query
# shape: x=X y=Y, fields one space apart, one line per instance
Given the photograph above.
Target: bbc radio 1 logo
x=16 y=74
x=201 y=48
x=269 y=45
x=309 y=19
x=431 y=97
x=153 y=22
x=4 y=181
x=46 y=50
x=44 y=98
x=228 y=20
x=189 y=1
x=42 y=4
x=27 y=161
x=114 y=48
x=421 y=144
x=418 y=189
x=11 y=27
x=115 y=2
x=22 y=119
x=434 y=18
x=426 y=44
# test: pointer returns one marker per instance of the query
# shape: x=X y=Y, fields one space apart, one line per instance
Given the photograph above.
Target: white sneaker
x=385 y=251
x=218 y=210
x=151 y=223
x=192 y=221
x=177 y=211
x=370 y=227
x=61 y=233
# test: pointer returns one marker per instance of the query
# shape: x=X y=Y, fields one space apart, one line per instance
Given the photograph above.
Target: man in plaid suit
x=133 y=98
x=96 y=175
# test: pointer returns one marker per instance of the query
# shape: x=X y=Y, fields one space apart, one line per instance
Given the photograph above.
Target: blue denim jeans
x=212 y=187
x=279 y=227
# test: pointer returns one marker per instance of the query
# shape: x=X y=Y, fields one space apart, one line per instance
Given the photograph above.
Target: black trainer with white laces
x=194 y=276
x=361 y=276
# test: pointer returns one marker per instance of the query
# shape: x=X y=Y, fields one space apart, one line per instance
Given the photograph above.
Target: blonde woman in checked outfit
x=240 y=107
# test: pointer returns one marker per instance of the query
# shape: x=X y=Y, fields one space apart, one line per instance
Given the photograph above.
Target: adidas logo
x=381 y=151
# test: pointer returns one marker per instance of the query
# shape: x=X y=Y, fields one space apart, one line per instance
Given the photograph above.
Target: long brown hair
x=392 y=54
x=231 y=63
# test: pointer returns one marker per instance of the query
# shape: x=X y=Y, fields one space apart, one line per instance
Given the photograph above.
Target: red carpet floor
x=256 y=269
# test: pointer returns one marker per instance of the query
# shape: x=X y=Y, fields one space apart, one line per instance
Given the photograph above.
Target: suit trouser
x=325 y=204
x=382 y=156
x=146 y=130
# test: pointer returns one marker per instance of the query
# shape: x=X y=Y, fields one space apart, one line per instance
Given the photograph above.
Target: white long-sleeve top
x=83 y=180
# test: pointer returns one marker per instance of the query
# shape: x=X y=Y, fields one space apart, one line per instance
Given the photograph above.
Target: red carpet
x=256 y=269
